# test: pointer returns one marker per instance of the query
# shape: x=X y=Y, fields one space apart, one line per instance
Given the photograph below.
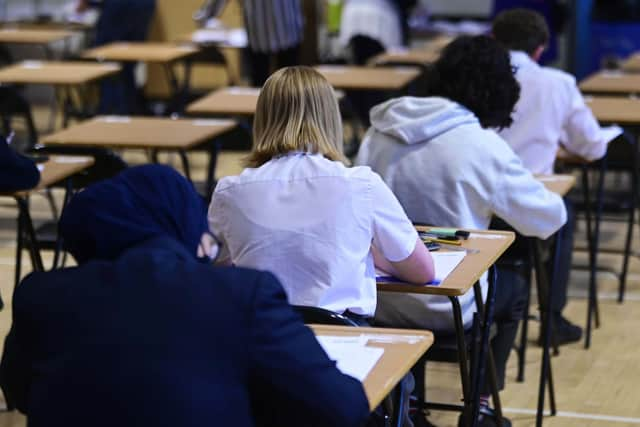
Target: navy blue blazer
x=17 y=172
x=156 y=338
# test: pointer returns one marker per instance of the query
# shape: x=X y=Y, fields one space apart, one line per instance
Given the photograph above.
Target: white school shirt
x=311 y=222
x=550 y=110
x=446 y=170
x=376 y=19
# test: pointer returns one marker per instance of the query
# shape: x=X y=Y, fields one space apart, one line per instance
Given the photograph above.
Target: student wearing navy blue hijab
x=142 y=333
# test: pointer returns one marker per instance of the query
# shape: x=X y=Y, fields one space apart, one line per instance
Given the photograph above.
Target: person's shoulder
x=40 y=290
x=227 y=182
x=558 y=76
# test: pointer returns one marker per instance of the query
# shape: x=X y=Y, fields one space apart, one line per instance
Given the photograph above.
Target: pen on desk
x=444 y=241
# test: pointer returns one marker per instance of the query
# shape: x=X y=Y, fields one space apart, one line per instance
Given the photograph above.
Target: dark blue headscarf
x=143 y=202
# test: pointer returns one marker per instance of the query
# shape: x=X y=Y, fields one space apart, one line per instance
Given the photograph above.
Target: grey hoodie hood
x=414 y=120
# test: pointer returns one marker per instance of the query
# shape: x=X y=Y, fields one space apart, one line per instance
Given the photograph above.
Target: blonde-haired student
x=301 y=213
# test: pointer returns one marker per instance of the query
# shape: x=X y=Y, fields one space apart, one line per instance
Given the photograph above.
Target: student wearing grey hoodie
x=447 y=167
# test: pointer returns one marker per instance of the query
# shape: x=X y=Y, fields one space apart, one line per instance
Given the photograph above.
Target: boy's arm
x=524 y=203
x=583 y=134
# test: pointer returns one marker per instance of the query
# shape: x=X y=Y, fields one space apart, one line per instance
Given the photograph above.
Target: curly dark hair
x=521 y=29
x=476 y=72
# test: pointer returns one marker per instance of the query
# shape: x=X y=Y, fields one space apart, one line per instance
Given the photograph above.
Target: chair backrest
x=322 y=316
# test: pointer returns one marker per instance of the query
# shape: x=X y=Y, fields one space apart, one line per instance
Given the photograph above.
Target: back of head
x=476 y=73
x=521 y=29
x=140 y=203
x=297 y=111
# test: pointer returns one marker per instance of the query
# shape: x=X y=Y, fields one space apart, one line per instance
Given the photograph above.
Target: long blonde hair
x=297 y=111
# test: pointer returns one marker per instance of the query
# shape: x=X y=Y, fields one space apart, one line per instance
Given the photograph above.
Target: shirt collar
x=520 y=59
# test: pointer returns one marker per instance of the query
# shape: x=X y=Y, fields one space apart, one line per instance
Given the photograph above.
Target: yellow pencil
x=444 y=242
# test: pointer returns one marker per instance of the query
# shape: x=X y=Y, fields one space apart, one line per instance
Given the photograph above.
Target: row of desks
x=78 y=72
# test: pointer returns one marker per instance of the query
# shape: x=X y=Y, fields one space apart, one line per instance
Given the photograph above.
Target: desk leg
x=58 y=247
x=480 y=362
x=462 y=362
x=19 y=247
x=27 y=223
x=631 y=220
x=545 y=295
x=185 y=164
x=593 y=310
x=211 y=169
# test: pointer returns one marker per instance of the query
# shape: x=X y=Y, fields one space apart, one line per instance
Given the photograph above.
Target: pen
x=443 y=241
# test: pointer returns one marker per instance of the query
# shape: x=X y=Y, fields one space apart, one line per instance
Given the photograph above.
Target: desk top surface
x=402 y=349
x=240 y=101
x=55 y=170
x=408 y=57
x=140 y=132
x=33 y=36
x=368 y=78
x=615 y=109
x=142 y=51
x=559 y=184
x=485 y=247
x=56 y=72
x=611 y=82
x=631 y=64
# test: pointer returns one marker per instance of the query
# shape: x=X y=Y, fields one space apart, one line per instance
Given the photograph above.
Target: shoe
x=564 y=331
x=487 y=418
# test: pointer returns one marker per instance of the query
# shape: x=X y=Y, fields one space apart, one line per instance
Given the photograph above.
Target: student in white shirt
x=551 y=111
x=448 y=168
x=300 y=213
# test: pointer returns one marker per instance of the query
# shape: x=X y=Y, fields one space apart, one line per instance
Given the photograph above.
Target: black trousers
x=263 y=64
x=509 y=308
x=565 y=259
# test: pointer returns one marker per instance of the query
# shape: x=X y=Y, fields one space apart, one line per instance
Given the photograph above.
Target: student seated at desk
x=447 y=167
x=144 y=332
x=300 y=213
x=550 y=111
x=17 y=172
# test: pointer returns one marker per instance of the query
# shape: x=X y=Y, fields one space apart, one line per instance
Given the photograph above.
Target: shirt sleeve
x=216 y=217
x=582 y=133
x=287 y=357
x=393 y=233
x=524 y=203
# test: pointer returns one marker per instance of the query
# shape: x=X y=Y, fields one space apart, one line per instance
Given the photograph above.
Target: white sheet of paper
x=611 y=132
x=212 y=122
x=351 y=355
x=446 y=262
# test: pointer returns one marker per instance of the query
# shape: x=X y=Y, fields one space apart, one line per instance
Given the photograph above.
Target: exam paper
x=351 y=354
x=611 y=132
x=444 y=263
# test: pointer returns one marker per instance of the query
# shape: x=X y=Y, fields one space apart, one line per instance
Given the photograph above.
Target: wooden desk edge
x=510 y=237
x=376 y=396
x=220 y=129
